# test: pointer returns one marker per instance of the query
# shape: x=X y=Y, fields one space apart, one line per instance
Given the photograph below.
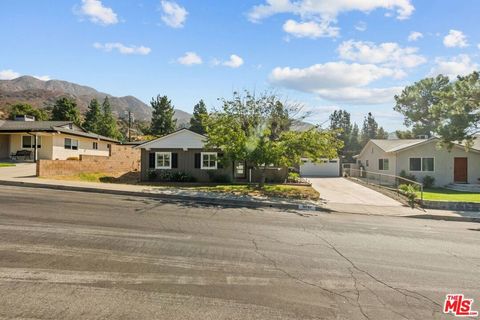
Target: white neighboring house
x=322 y=168
x=55 y=140
x=422 y=157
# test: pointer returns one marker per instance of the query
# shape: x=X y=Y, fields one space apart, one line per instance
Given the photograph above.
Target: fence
x=382 y=180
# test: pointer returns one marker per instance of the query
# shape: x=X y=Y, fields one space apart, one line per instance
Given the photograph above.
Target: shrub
x=73 y=158
x=410 y=191
x=403 y=174
x=428 y=181
x=180 y=176
x=219 y=177
x=293 y=177
x=152 y=174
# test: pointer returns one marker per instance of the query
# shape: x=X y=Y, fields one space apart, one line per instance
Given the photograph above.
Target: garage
x=323 y=168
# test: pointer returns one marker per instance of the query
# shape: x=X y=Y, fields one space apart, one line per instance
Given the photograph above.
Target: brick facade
x=122 y=159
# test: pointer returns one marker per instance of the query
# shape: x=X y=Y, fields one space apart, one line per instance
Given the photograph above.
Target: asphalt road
x=69 y=255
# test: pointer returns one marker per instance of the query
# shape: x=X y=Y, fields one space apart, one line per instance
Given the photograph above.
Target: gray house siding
x=185 y=163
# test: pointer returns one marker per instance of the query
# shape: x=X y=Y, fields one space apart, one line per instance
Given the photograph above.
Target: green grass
x=4 y=164
x=442 y=194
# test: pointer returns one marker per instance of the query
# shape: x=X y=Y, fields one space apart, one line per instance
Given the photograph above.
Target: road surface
x=73 y=255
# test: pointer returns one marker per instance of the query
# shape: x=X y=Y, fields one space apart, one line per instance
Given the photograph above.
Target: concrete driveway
x=342 y=191
x=20 y=170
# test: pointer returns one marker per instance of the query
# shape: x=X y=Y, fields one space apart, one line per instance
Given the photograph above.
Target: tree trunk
x=263 y=177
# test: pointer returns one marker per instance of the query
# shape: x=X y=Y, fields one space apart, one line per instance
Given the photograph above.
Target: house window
x=422 y=164
x=71 y=144
x=209 y=160
x=383 y=164
x=28 y=142
x=163 y=160
x=95 y=146
x=366 y=163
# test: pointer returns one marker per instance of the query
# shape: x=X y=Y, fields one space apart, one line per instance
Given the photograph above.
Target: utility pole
x=130 y=120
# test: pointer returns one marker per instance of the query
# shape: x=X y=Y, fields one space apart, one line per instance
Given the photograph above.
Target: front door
x=460 y=170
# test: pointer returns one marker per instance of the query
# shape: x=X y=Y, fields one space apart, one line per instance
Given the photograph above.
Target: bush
x=152 y=174
x=403 y=174
x=73 y=158
x=175 y=176
x=219 y=177
x=428 y=181
x=293 y=177
x=410 y=191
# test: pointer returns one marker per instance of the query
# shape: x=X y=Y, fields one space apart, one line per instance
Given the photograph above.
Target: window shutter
x=197 y=160
x=220 y=161
x=174 y=160
x=151 y=160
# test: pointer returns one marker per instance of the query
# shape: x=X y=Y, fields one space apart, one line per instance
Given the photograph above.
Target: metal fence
x=386 y=181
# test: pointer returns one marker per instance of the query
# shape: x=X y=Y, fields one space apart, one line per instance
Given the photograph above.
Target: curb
x=446 y=218
x=170 y=197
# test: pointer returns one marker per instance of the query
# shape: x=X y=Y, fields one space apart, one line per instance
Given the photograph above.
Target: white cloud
x=174 y=15
x=361 y=26
x=339 y=81
x=121 y=48
x=460 y=65
x=189 y=59
x=415 y=35
x=310 y=29
x=324 y=13
x=387 y=54
x=455 y=38
x=8 y=74
x=97 y=12
x=235 y=61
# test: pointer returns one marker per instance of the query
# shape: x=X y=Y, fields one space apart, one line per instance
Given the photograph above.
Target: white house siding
x=85 y=147
x=372 y=153
x=443 y=162
x=45 y=152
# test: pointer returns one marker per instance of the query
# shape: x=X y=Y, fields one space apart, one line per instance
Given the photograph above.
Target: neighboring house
x=184 y=151
x=422 y=157
x=55 y=140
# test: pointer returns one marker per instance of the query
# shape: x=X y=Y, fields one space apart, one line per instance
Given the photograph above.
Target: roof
x=394 y=145
x=11 y=125
x=48 y=126
x=195 y=140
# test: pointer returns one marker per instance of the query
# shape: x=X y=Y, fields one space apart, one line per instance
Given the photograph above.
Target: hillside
x=41 y=94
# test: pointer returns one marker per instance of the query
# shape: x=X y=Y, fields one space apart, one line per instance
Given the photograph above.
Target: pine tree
x=382 y=134
x=65 y=109
x=355 y=140
x=370 y=129
x=200 y=113
x=108 y=122
x=93 y=117
x=162 y=116
x=340 y=120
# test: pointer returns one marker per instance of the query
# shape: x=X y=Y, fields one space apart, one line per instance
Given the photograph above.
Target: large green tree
x=108 y=124
x=369 y=129
x=199 y=118
x=340 y=122
x=93 y=117
x=163 y=121
x=65 y=109
x=257 y=129
x=25 y=109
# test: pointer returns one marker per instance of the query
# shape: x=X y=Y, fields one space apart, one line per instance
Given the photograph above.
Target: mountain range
x=42 y=94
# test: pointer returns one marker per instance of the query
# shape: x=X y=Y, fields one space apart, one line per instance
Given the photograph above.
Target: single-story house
x=50 y=140
x=422 y=157
x=184 y=151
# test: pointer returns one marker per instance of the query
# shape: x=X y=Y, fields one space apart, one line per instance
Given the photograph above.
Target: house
x=422 y=157
x=49 y=140
x=184 y=151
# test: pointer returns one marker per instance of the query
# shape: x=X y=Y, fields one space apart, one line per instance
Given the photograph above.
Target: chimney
x=24 y=118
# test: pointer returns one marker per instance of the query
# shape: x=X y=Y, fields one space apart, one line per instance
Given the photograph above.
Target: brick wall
x=123 y=159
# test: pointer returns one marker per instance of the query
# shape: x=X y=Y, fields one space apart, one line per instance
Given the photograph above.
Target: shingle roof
x=84 y=134
x=31 y=125
x=393 y=145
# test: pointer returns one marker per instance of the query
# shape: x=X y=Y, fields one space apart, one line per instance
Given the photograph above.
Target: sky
x=324 y=54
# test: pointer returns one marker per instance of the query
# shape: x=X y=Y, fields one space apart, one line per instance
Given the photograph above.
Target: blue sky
x=326 y=54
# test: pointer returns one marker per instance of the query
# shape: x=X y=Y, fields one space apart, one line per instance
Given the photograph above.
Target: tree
x=25 y=109
x=382 y=134
x=407 y=134
x=108 y=123
x=199 y=117
x=354 y=143
x=162 y=117
x=65 y=109
x=340 y=122
x=93 y=117
x=416 y=103
x=257 y=129
x=369 y=129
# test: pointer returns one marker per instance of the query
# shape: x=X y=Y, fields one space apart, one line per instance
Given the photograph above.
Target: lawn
x=442 y=194
x=4 y=164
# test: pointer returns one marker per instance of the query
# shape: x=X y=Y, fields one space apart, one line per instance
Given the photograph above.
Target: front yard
x=6 y=164
x=442 y=194
x=302 y=192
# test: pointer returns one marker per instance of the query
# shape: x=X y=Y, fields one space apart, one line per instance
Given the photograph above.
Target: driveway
x=20 y=170
x=342 y=191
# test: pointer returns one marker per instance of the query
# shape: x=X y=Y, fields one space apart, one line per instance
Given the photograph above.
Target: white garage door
x=325 y=168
